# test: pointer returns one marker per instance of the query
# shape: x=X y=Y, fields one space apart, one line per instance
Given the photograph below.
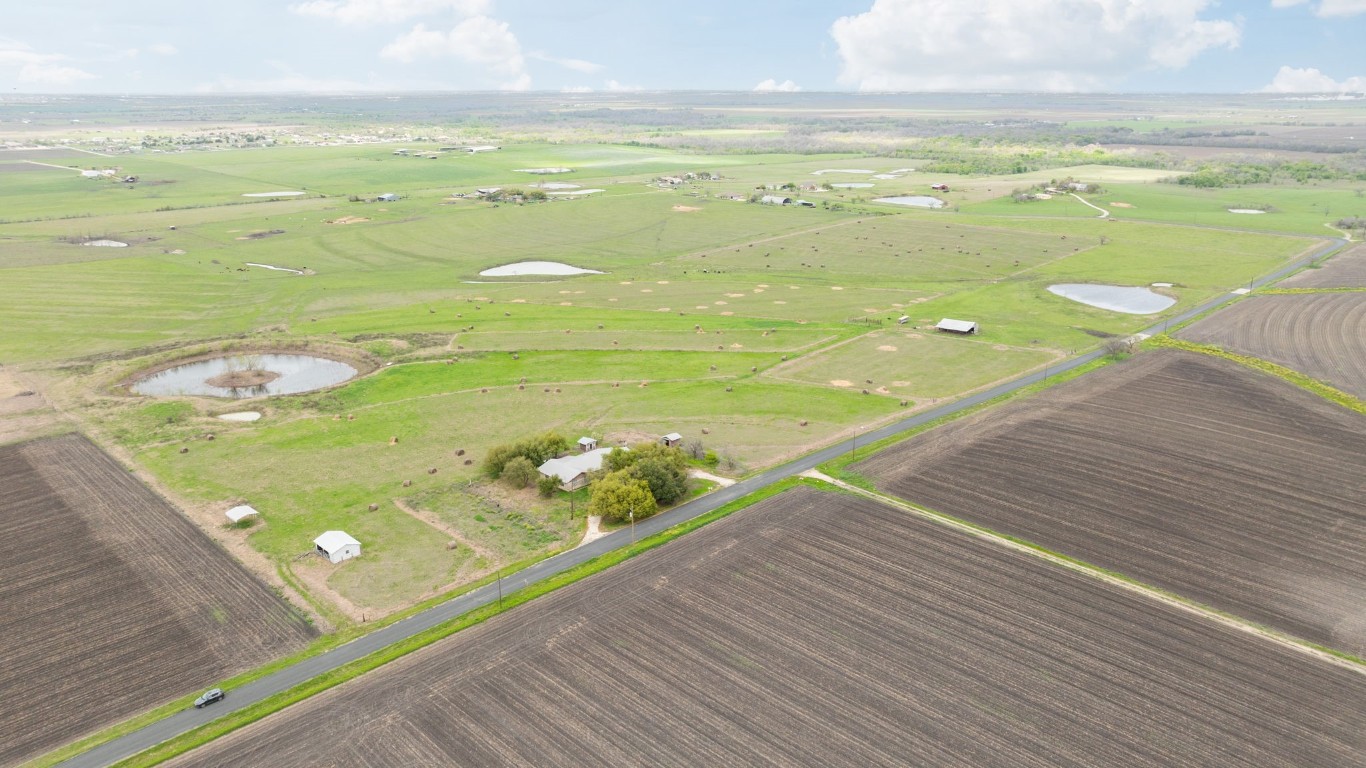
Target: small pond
x=852 y=185
x=287 y=374
x=537 y=268
x=915 y=201
x=1116 y=298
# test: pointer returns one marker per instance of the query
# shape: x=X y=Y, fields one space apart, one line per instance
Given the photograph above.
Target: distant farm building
x=903 y=320
x=387 y=197
x=239 y=512
x=940 y=187
x=587 y=444
x=806 y=204
x=957 y=326
x=671 y=439
x=337 y=546
x=488 y=191
x=1078 y=186
x=572 y=471
x=775 y=200
x=481 y=148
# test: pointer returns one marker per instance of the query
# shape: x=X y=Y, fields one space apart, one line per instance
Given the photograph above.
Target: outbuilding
x=957 y=326
x=237 y=513
x=388 y=197
x=671 y=439
x=587 y=444
x=337 y=546
x=775 y=200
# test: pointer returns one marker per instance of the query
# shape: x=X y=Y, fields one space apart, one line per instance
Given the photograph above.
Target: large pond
x=1116 y=298
x=915 y=201
x=522 y=268
x=291 y=374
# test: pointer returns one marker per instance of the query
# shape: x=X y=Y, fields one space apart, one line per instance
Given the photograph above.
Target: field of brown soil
x=822 y=629
x=112 y=601
x=1185 y=471
x=1346 y=270
x=1320 y=334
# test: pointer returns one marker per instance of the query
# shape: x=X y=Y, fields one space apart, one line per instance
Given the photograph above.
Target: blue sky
x=161 y=46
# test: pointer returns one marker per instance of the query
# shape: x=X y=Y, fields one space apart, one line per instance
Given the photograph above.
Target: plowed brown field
x=1346 y=270
x=821 y=629
x=1185 y=471
x=1320 y=334
x=111 y=602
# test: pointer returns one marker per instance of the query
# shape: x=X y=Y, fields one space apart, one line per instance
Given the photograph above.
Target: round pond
x=260 y=376
x=1116 y=298
x=915 y=201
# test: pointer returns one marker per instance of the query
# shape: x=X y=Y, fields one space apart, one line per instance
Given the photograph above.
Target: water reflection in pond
x=292 y=374
x=1116 y=298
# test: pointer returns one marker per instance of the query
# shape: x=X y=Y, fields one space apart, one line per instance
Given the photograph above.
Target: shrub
x=520 y=472
x=546 y=486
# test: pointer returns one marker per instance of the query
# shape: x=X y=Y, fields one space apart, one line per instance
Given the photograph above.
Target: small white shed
x=238 y=512
x=337 y=546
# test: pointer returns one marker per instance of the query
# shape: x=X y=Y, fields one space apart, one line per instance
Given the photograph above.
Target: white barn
x=238 y=512
x=337 y=546
x=957 y=326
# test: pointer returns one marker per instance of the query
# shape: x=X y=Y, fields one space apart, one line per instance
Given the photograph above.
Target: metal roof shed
x=337 y=546
x=238 y=512
x=957 y=326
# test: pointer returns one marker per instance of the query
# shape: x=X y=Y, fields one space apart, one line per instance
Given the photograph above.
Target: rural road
x=289 y=677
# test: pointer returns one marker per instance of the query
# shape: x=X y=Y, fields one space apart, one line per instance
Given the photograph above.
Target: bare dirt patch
x=807 y=640
x=1122 y=205
x=841 y=383
x=1187 y=472
x=348 y=220
x=686 y=209
x=117 y=599
x=886 y=348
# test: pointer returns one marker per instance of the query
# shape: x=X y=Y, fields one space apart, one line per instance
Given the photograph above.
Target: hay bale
x=460 y=452
x=452 y=546
x=184 y=449
x=374 y=507
x=208 y=436
x=350 y=417
x=557 y=390
x=521 y=386
x=713 y=368
x=728 y=389
x=407 y=483
x=905 y=403
x=801 y=423
x=469 y=462
x=484 y=391
x=431 y=471
x=706 y=431
x=865 y=391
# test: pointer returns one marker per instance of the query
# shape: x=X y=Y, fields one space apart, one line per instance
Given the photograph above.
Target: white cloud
x=478 y=40
x=163 y=49
x=12 y=52
x=613 y=85
x=1044 y=45
x=1310 y=80
x=386 y=11
x=52 y=75
x=1327 y=8
x=773 y=86
x=578 y=65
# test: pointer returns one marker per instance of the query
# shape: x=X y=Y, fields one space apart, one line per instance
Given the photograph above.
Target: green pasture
x=919 y=364
x=1297 y=209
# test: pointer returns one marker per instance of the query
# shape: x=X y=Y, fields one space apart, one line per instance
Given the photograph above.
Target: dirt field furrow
x=1320 y=334
x=1190 y=473
x=822 y=629
x=113 y=601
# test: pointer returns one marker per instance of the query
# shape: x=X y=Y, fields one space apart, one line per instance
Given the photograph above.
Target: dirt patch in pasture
x=686 y=209
x=886 y=348
x=1188 y=472
x=841 y=383
x=261 y=234
x=1122 y=205
x=348 y=220
x=773 y=670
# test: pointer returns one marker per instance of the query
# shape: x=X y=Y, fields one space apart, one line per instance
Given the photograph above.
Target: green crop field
x=754 y=329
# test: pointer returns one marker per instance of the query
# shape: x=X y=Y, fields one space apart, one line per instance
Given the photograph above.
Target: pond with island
x=240 y=376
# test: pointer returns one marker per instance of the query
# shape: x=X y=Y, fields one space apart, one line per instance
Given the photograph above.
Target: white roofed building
x=337 y=546
x=237 y=513
x=572 y=471
x=957 y=326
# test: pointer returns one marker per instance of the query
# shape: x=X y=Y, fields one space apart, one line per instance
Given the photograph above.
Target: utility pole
x=500 y=589
x=633 y=526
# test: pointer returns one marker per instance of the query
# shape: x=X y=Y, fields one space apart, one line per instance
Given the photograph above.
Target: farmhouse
x=957 y=326
x=387 y=197
x=237 y=513
x=671 y=439
x=572 y=471
x=337 y=546
x=775 y=200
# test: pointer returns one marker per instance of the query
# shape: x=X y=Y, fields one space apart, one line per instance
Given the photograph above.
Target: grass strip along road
x=297 y=674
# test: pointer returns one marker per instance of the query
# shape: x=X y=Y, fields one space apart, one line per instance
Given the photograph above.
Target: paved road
x=289 y=677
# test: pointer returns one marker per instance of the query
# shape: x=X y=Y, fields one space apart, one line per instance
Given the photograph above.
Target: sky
x=253 y=46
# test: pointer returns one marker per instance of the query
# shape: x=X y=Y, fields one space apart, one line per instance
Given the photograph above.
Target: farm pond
x=1116 y=298
x=537 y=268
x=915 y=201
x=240 y=376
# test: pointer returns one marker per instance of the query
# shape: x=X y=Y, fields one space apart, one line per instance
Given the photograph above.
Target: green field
x=754 y=329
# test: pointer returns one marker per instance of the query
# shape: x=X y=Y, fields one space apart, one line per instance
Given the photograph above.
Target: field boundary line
x=1096 y=572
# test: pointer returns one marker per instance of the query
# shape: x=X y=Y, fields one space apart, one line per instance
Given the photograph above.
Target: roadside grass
x=204 y=734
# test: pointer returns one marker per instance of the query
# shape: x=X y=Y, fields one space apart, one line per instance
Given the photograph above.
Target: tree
x=616 y=496
x=667 y=482
x=618 y=459
x=535 y=449
x=520 y=472
x=546 y=485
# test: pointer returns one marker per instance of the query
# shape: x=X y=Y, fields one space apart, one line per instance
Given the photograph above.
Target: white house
x=238 y=512
x=337 y=546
